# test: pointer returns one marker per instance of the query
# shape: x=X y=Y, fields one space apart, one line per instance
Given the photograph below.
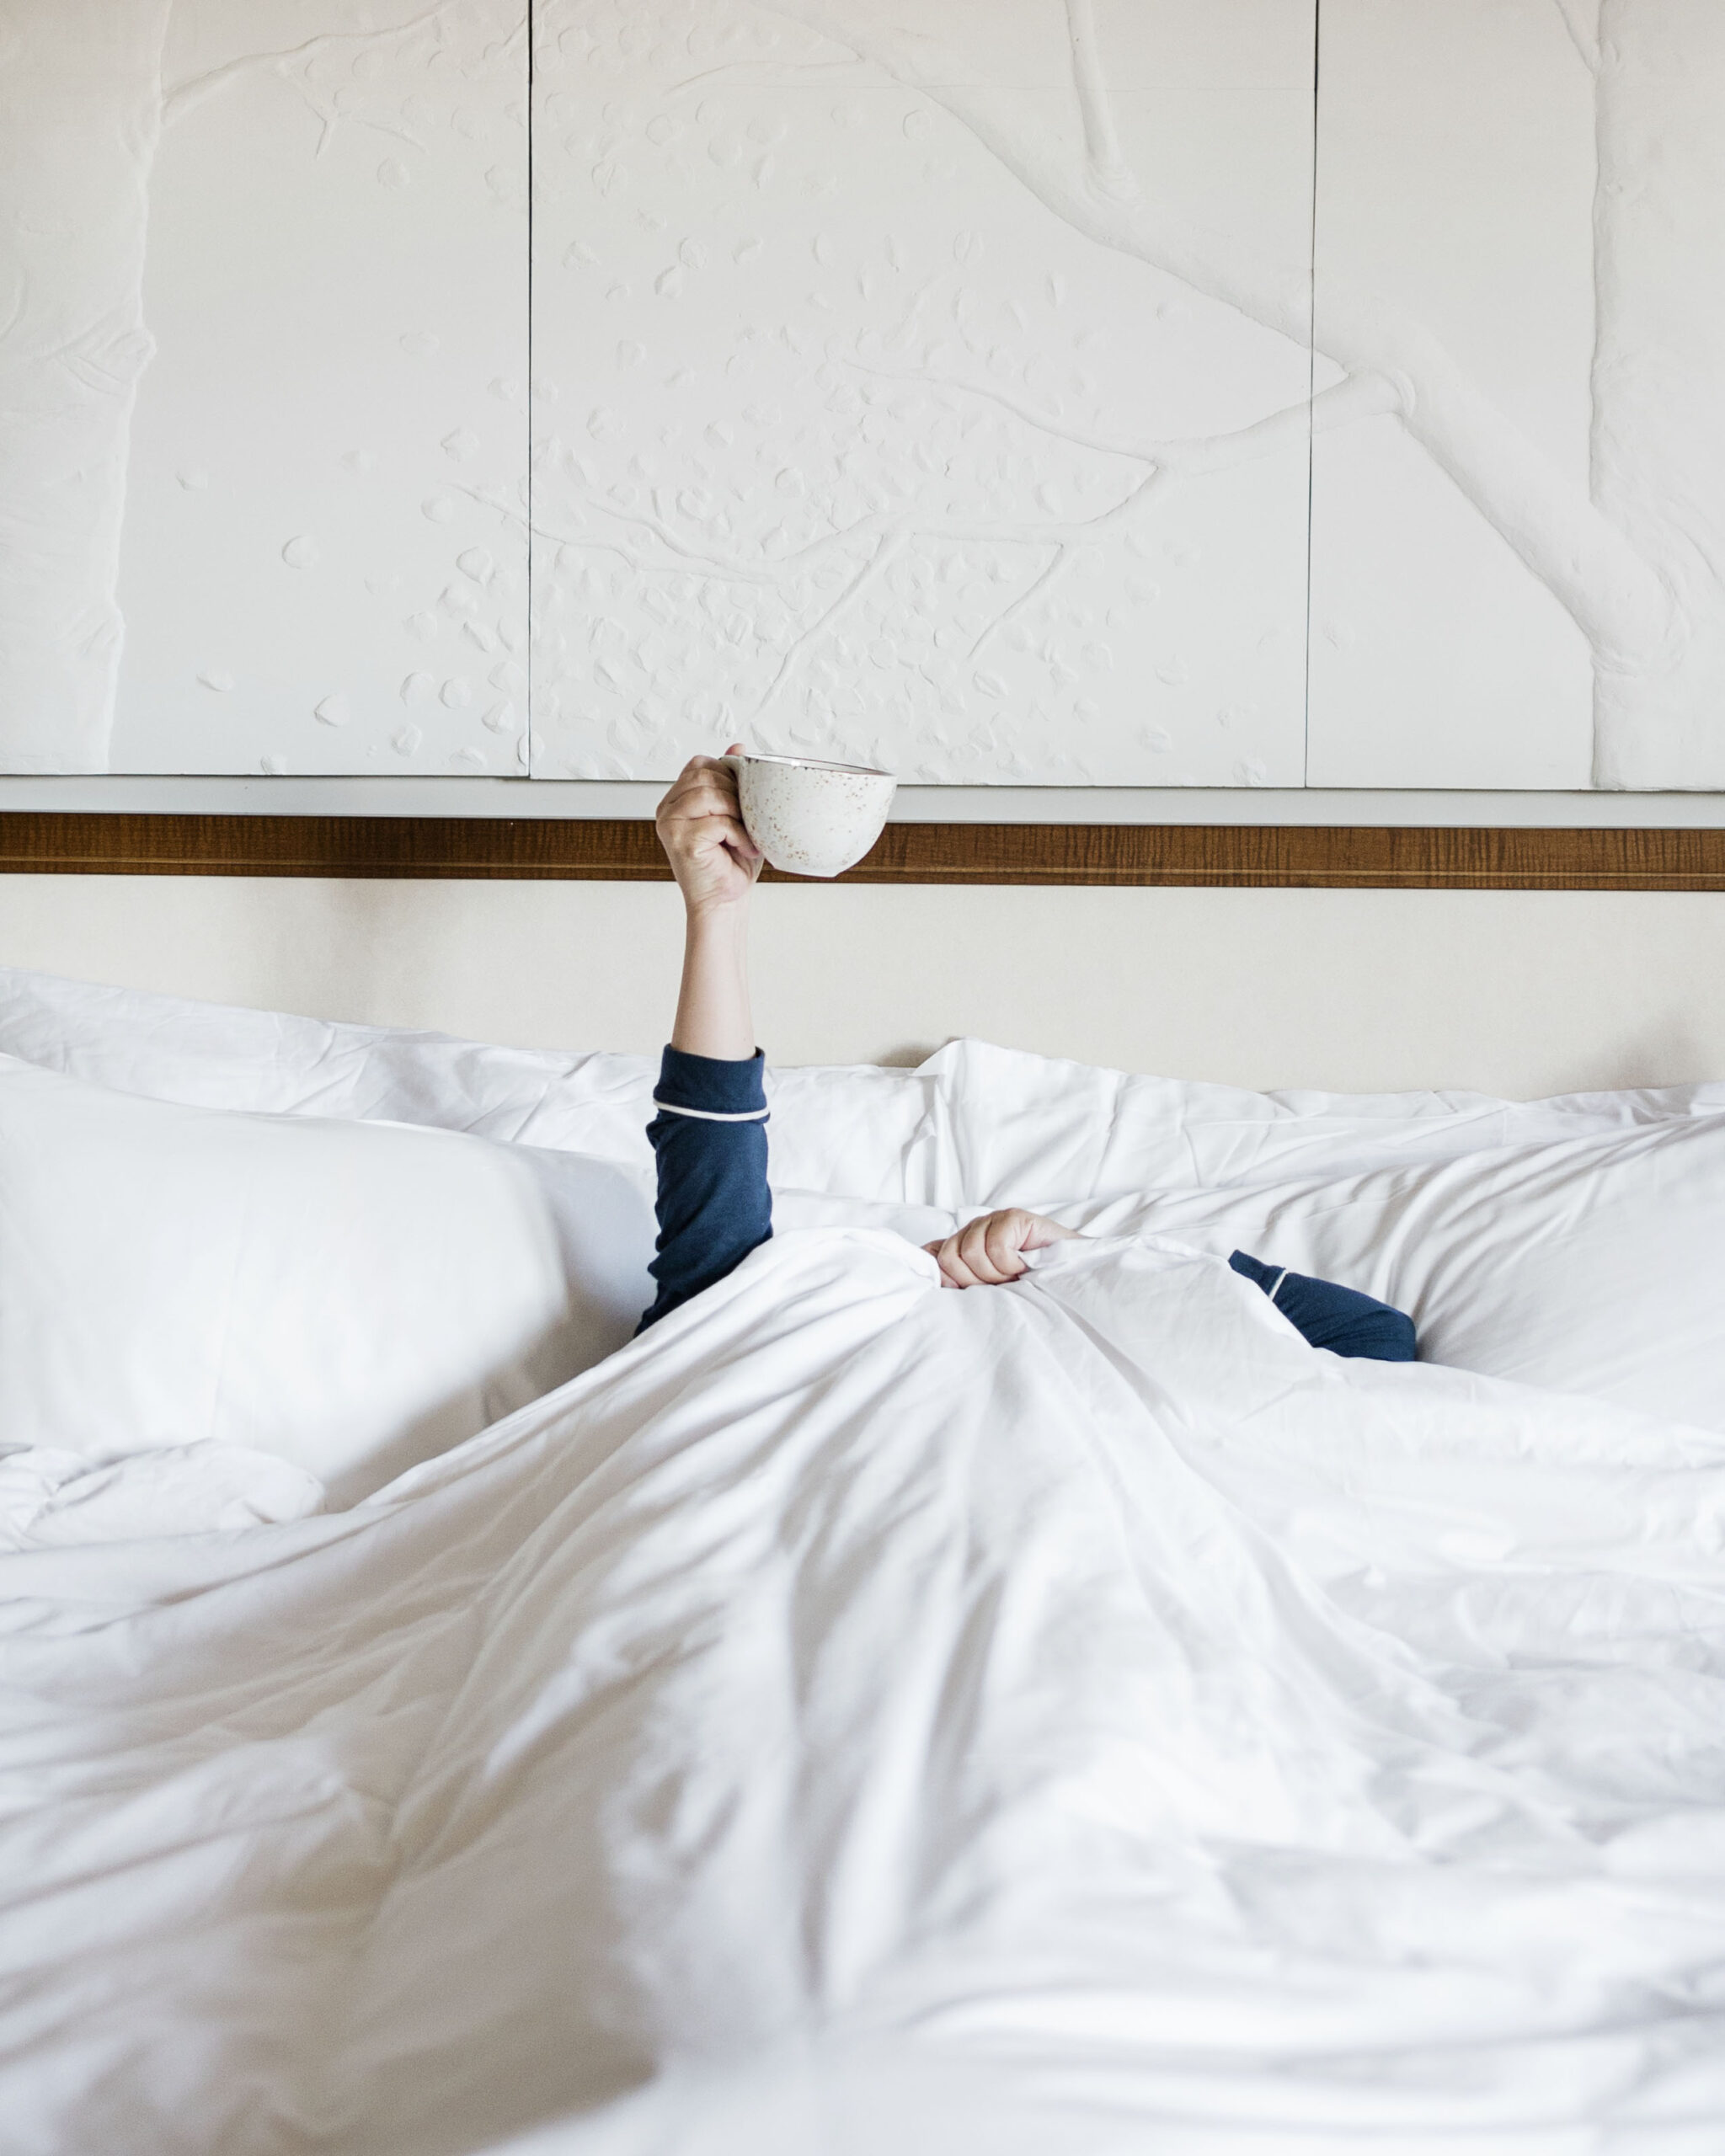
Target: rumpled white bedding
x=862 y=1718
x=974 y=1126
x=859 y=1132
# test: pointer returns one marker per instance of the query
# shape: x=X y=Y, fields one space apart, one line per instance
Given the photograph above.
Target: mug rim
x=808 y=764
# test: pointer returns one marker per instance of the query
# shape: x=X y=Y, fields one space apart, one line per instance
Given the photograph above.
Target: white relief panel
x=1519 y=520
x=312 y=576
x=80 y=103
x=917 y=380
x=922 y=385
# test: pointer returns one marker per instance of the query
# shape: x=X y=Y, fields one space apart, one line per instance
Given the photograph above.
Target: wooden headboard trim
x=625 y=850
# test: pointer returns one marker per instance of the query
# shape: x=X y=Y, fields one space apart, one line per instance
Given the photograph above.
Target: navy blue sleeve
x=1340 y=1319
x=709 y=1142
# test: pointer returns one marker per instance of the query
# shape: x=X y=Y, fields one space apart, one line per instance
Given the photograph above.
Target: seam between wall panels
x=527 y=721
x=1311 y=378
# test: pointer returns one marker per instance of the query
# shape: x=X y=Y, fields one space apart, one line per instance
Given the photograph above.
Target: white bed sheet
x=862 y=1718
x=1591 y=1264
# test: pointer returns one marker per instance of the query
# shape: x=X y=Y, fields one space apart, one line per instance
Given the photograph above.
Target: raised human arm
x=715 y=862
x=709 y=1134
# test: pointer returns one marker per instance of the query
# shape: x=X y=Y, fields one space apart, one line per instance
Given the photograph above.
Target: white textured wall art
x=1519 y=568
x=928 y=382
x=923 y=382
x=337 y=287
x=80 y=111
x=308 y=302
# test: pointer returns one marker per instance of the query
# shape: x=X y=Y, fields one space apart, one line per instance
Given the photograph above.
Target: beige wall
x=1514 y=992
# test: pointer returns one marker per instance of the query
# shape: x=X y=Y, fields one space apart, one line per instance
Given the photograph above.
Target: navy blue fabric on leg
x=1340 y=1319
x=709 y=1143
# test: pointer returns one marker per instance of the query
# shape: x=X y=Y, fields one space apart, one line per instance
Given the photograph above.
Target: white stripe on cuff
x=712 y=1115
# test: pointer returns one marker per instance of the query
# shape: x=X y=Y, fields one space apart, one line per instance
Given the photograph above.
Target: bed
x=854 y=1717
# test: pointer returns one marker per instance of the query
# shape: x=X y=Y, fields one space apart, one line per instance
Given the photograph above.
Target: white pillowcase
x=349 y=1297
x=851 y=1131
x=1559 y=1241
x=1021 y=1130
x=1594 y=1265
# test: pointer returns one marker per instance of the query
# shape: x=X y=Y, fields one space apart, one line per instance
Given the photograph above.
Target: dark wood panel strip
x=625 y=850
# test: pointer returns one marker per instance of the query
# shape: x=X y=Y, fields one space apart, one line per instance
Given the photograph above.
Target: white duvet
x=865 y=1718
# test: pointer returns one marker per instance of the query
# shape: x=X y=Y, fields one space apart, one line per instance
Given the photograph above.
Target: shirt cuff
x=1266 y=1277
x=711 y=1085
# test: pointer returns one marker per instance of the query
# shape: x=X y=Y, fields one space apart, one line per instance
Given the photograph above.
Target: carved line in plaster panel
x=846 y=571
x=1658 y=435
x=73 y=345
x=1650 y=603
x=1633 y=548
x=89 y=108
x=1654 y=613
x=360 y=400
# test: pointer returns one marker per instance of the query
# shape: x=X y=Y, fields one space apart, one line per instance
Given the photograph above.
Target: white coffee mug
x=811 y=819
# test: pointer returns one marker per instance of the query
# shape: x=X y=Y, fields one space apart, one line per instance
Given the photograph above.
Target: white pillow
x=349 y=1297
x=1021 y=1130
x=1594 y=1265
x=854 y=1131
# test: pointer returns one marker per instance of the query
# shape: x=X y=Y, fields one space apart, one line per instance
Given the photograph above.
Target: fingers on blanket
x=991 y=1250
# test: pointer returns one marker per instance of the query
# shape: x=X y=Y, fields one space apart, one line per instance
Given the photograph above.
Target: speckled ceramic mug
x=811 y=819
